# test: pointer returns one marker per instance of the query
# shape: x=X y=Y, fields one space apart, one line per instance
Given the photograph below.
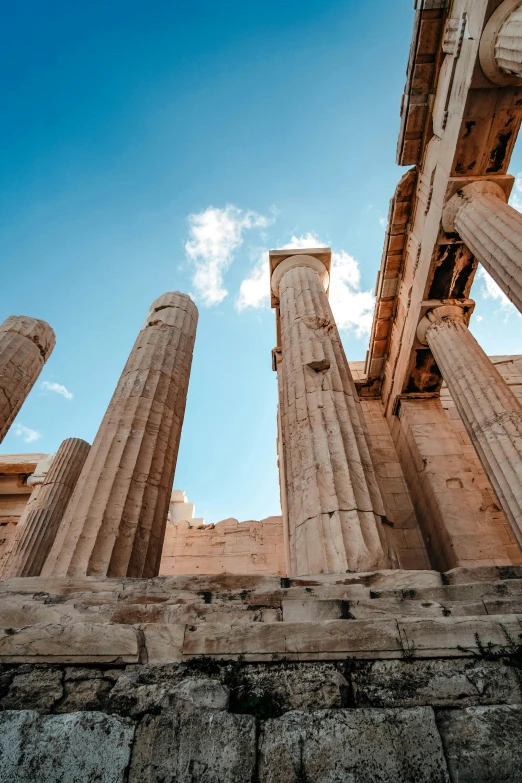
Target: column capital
x=452 y=312
x=473 y=190
x=281 y=261
x=502 y=31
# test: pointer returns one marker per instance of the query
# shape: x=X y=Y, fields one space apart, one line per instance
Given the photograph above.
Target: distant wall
x=229 y=547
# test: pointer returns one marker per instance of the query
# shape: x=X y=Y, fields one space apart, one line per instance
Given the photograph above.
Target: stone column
x=115 y=522
x=501 y=44
x=25 y=345
x=490 y=411
x=493 y=232
x=333 y=502
x=36 y=530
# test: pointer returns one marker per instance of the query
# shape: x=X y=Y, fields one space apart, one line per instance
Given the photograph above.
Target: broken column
x=25 y=345
x=329 y=490
x=490 y=411
x=115 y=522
x=492 y=230
x=36 y=530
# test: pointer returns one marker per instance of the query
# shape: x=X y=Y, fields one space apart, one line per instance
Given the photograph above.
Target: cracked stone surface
x=396 y=746
x=334 y=504
x=76 y=748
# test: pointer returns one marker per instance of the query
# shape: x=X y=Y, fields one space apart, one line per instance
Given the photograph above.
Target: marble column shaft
x=115 y=522
x=36 y=530
x=333 y=500
x=25 y=345
x=492 y=230
x=489 y=409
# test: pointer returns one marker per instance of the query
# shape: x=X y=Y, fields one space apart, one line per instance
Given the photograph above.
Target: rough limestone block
x=211 y=747
x=79 y=643
x=77 y=748
x=483 y=744
x=396 y=746
x=198 y=693
x=34 y=688
x=269 y=691
x=449 y=683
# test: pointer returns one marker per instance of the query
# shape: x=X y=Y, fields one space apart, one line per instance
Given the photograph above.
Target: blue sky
x=168 y=145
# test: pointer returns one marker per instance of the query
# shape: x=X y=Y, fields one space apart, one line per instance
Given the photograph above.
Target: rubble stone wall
x=283 y=722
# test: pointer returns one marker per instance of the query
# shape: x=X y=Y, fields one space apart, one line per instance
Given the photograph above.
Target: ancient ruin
x=371 y=632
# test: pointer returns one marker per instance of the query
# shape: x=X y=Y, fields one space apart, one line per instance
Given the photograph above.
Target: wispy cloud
x=490 y=290
x=352 y=308
x=57 y=388
x=26 y=433
x=215 y=235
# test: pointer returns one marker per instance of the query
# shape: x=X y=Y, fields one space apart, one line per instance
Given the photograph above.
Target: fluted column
x=490 y=411
x=333 y=502
x=36 y=530
x=501 y=44
x=25 y=345
x=492 y=230
x=115 y=522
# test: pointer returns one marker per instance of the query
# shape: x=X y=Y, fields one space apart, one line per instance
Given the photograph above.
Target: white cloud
x=479 y=318
x=490 y=290
x=57 y=388
x=516 y=194
x=27 y=434
x=352 y=308
x=254 y=291
x=215 y=234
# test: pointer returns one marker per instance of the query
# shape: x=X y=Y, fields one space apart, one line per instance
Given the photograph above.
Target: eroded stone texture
x=483 y=744
x=115 y=522
x=76 y=748
x=446 y=683
x=332 y=498
x=492 y=230
x=25 y=345
x=396 y=746
x=37 y=527
x=208 y=747
x=490 y=411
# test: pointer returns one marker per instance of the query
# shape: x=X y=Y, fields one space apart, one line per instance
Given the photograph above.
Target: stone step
x=404 y=637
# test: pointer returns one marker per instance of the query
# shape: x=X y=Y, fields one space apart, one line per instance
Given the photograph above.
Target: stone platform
x=399 y=676
x=366 y=616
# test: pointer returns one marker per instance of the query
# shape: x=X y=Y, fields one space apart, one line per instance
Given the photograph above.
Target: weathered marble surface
x=115 y=521
x=331 y=495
